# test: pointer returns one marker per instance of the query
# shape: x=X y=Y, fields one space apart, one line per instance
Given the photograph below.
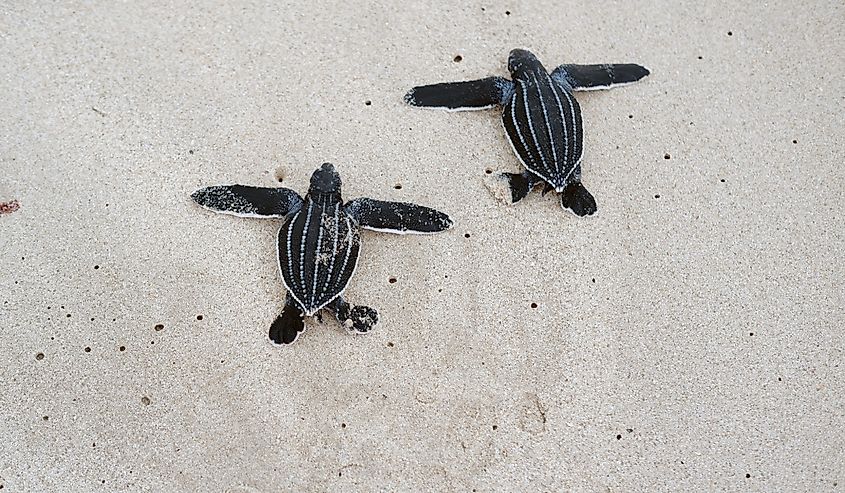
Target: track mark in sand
x=498 y=187
x=345 y=467
x=533 y=419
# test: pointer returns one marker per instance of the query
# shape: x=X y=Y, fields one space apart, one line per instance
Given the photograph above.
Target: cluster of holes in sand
x=39 y=356
x=629 y=430
x=507 y=12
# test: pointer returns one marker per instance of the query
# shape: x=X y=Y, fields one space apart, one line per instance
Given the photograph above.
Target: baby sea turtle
x=541 y=117
x=319 y=242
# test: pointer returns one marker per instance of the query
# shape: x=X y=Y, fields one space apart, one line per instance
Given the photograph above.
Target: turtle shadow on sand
x=541 y=118
x=319 y=242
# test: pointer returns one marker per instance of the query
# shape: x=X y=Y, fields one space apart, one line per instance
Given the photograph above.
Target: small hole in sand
x=39 y=356
x=87 y=349
x=700 y=57
x=46 y=418
x=368 y=102
x=145 y=401
x=96 y=267
x=398 y=186
x=68 y=315
x=751 y=334
x=488 y=171
x=594 y=279
x=630 y=116
x=458 y=58
x=158 y=327
x=507 y=12
x=279 y=174
x=730 y=33
x=199 y=317
x=667 y=156
x=657 y=196
x=121 y=348
x=533 y=305
x=495 y=427
x=466 y=235
x=722 y=180
x=190 y=151
x=619 y=437
x=392 y=280
x=747 y=476
x=794 y=141
x=389 y=344
x=343 y=425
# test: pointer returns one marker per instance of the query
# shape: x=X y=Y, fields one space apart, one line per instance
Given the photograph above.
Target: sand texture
x=687 y=337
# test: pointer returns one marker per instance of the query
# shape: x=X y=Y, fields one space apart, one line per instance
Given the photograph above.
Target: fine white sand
x=689 y=342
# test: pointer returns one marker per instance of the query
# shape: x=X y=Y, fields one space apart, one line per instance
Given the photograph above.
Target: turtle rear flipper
x=397 y=217
x=246 y=201
x=594 y=77
x=289 y=325
x=469 y=95
x=577 y=199
x=520 y=184
x=355 y=319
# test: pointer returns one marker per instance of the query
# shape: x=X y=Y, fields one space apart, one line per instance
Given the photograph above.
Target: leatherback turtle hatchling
x=541 y=118
x=319 y=242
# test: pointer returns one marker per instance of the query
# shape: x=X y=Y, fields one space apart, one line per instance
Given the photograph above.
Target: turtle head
x=521 y=60
x=325 y=180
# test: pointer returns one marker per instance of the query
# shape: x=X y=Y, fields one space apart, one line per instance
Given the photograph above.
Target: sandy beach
x=688 y=337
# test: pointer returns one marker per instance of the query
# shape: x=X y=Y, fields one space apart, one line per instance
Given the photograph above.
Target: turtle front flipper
x=397 y=217
x=246 y=201
x=578 y=200
x=594 y=77
x=289 y=325
x=468 y=95
x=355 y=319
